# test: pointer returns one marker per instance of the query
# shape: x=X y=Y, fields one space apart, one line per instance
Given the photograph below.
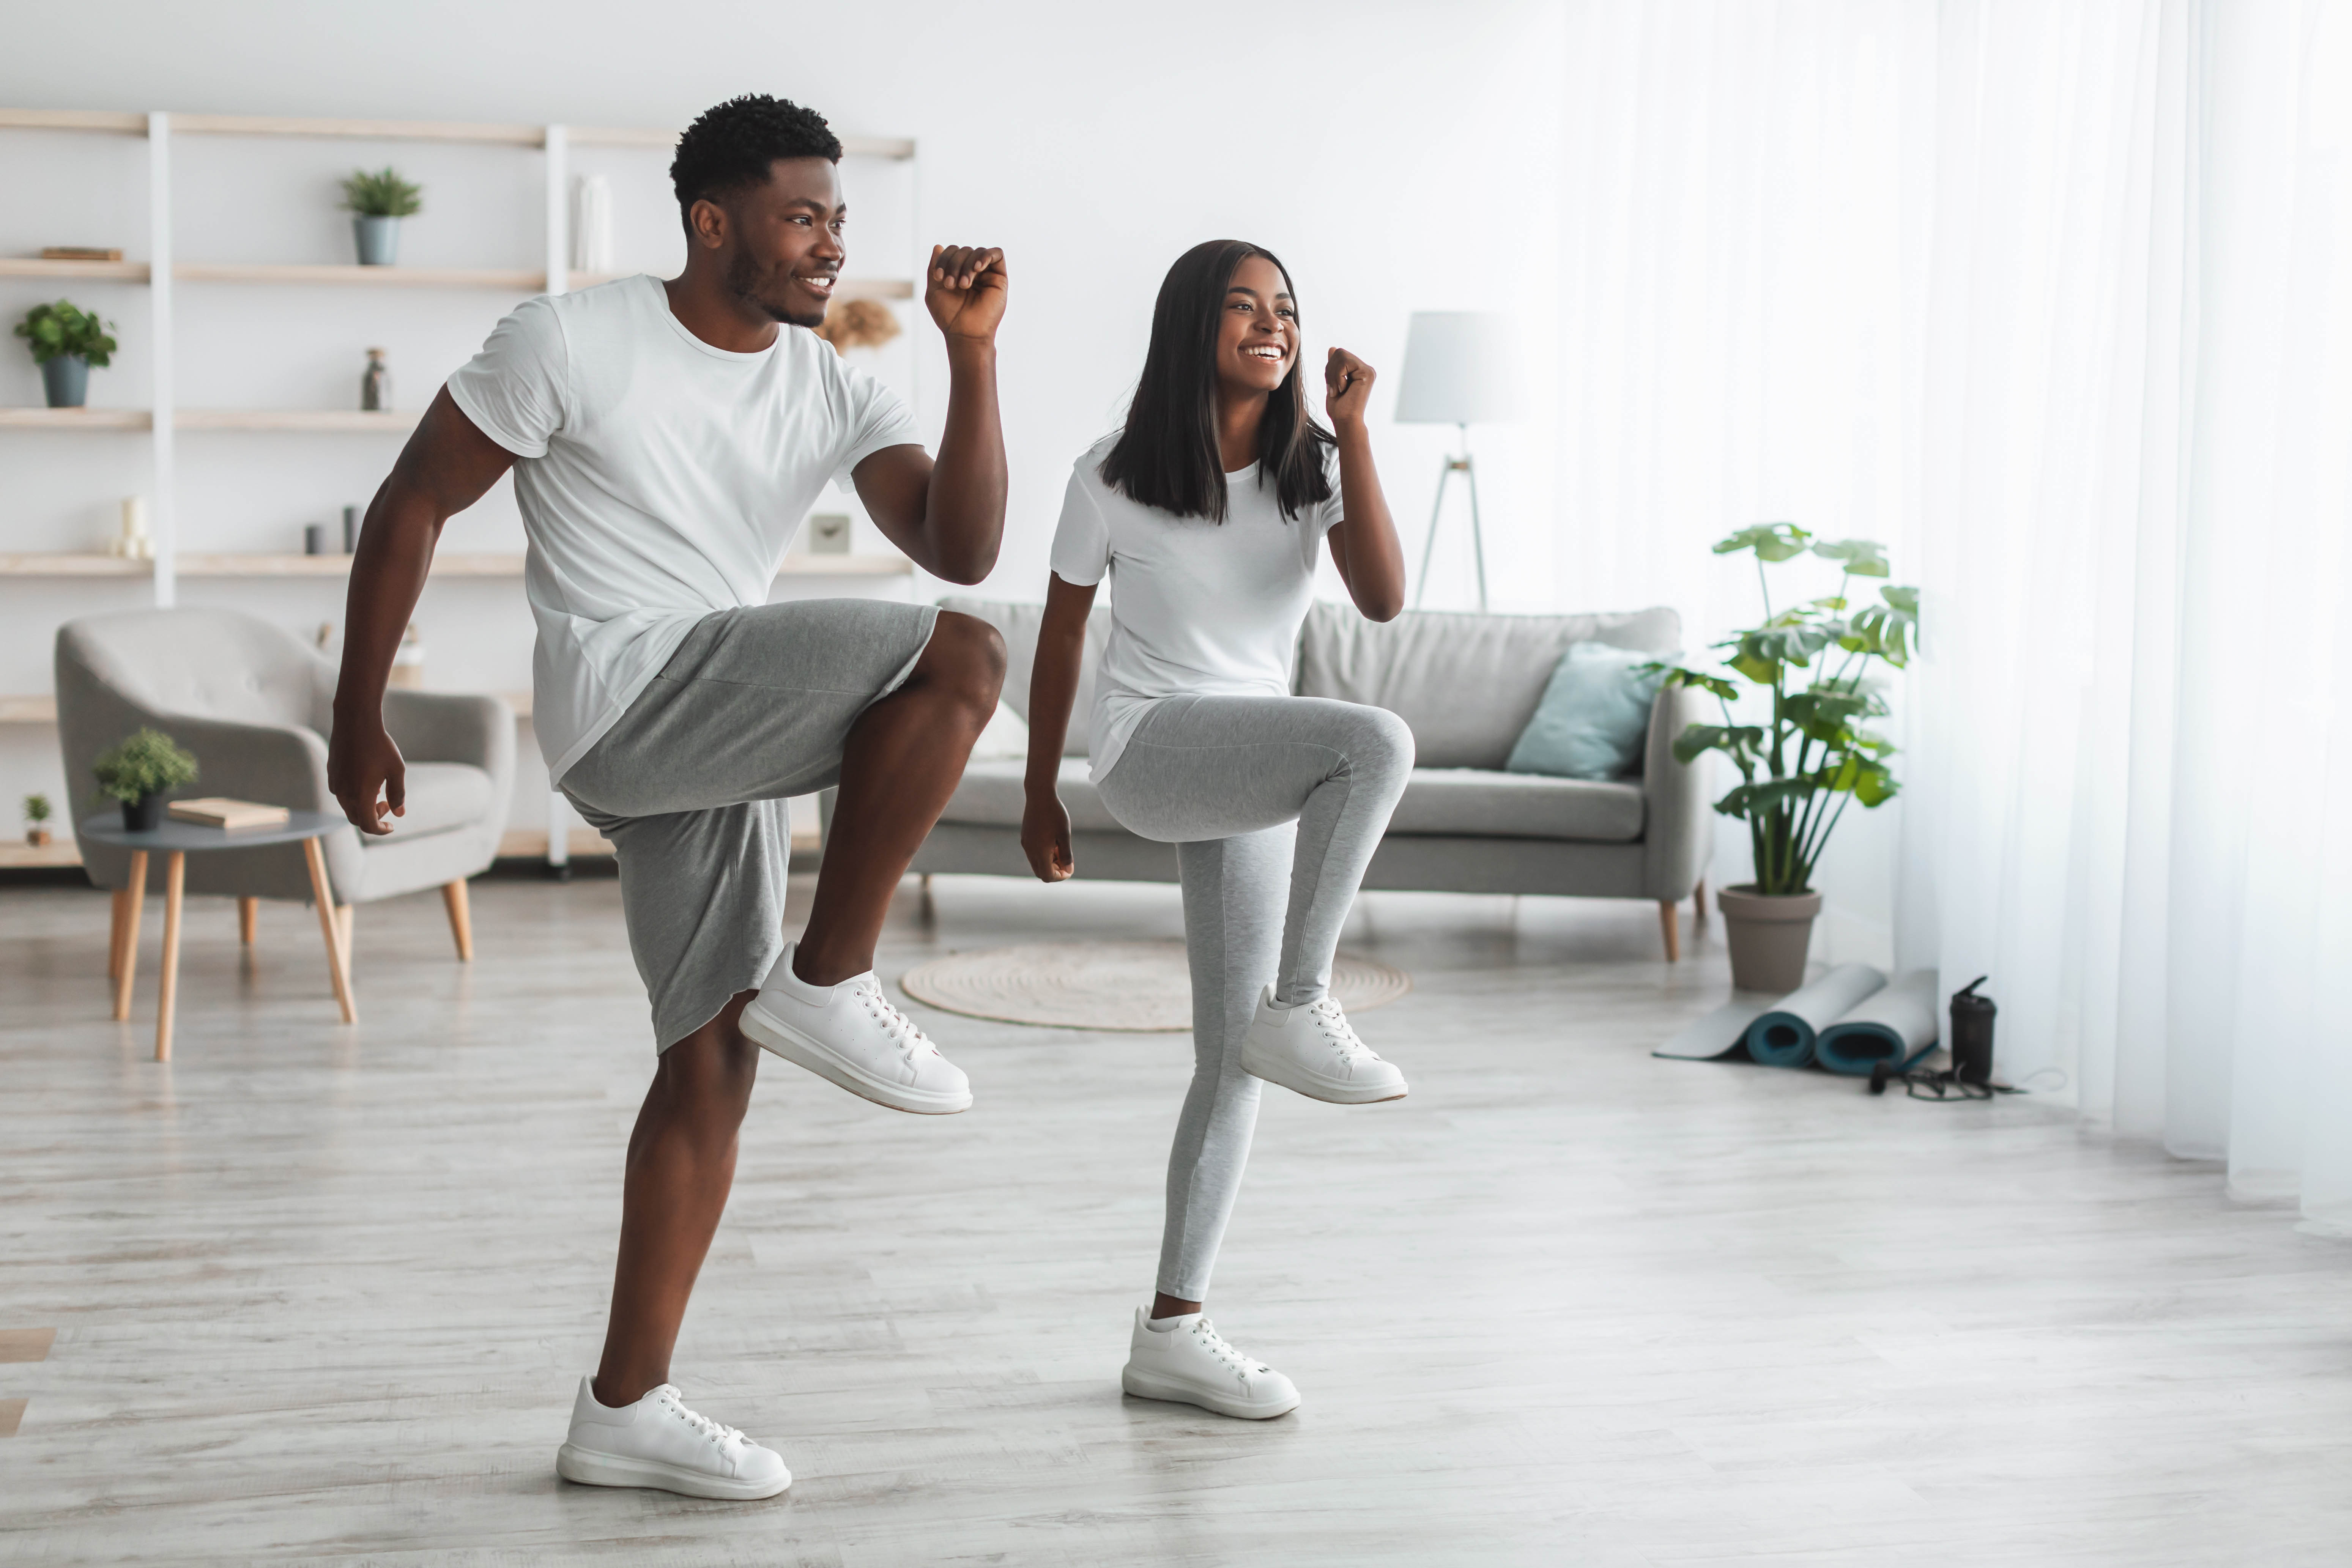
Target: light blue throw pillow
x=1594 y=716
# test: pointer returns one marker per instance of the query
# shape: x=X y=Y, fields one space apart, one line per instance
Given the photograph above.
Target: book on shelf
x=214 y=811
x=79 y=253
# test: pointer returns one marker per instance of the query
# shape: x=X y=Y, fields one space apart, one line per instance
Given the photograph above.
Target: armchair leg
x=1670 y=928
x=1698 y=902
x=343 y=915
x=248 y=919
x=461 y=918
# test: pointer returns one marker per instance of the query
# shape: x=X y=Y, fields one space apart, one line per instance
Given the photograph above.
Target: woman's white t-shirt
x=660 y=480
x=1199 y=608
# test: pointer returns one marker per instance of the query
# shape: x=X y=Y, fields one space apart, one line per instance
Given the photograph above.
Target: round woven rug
x=1143 y=987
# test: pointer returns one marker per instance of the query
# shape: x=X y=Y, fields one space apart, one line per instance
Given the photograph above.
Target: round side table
x=178 y=841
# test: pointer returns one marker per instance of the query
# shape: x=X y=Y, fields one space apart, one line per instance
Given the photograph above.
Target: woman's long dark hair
x=1167 y=456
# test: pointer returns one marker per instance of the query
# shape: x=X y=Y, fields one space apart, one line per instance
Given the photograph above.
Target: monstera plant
x=1814 y=753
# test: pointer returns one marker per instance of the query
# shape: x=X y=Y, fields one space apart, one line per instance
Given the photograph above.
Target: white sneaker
x=850 y=1034
x=1190 y=1363
x=1314 y=1052
x=659 y=1442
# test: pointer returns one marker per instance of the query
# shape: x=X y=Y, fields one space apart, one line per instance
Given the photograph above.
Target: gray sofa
x=1466 y=684
x=253 y=703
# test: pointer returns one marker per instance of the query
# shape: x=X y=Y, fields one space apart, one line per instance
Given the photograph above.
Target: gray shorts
x=690 y=785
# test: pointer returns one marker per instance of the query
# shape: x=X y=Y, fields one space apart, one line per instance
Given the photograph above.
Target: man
x=666 y=439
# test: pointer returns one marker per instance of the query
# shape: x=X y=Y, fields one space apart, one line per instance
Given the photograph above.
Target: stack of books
x=215 y=812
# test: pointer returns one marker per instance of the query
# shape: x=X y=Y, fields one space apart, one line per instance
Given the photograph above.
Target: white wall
x=1399 y=157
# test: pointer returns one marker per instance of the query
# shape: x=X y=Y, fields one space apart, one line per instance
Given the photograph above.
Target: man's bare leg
x=905 y=756
x=681 y=1165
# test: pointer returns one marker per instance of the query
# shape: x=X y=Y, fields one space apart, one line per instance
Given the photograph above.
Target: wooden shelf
x=37 y=709
x=508 y=279
x=16 y=853
x=43 y=267
x=330 y=421
x=76 y=419
x=54 y=564
x=112 y=122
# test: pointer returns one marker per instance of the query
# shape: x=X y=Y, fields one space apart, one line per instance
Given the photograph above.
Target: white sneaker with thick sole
x=1314 y=1051
x=659 y=1443
x=1190 y=1363
x=851 y=1035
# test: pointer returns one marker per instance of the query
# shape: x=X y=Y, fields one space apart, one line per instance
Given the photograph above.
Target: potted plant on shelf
x=1799 y=770
x=37 y=821
x=377 y=203
x=138 y=771
x=65 y=341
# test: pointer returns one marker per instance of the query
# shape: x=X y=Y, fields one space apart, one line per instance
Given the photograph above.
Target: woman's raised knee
x=1381 y=744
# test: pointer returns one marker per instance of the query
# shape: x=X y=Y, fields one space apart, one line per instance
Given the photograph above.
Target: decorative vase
x=1768 y=934
x=143 y=815
x=66 y=381
x=378 y=240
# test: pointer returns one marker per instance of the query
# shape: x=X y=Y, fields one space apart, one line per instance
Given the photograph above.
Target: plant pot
x=1768 y=934
x=37 y=837
x=66 y=381
x=378 y=240
x=143 y=815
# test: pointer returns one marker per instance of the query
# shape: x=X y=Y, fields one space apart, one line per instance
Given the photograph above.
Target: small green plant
x=36 y=808
x=149 y=763
x=1799 y=772
x=63 y=328
x=382 y=194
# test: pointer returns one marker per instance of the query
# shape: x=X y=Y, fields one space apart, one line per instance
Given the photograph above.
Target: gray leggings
x=1256 y=793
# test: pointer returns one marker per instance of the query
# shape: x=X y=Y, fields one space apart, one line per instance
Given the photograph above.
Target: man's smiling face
x=783 y=240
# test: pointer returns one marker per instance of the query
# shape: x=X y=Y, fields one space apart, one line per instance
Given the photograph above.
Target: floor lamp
x=1459 y=370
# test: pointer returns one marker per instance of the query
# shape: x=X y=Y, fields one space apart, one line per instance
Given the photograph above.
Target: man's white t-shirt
x=1199 y=608
x=660 y=480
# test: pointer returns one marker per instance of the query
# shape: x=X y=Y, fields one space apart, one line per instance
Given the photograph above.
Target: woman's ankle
x=1164 y=1306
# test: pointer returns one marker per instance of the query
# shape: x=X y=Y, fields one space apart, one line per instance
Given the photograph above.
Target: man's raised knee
x=970 y=659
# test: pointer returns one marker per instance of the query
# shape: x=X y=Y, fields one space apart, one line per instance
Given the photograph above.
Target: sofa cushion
x=441 y=796
x=1018 y=624
x=1476 y=803
x=1594 y=715
x=991 y=795
x=1466 y=684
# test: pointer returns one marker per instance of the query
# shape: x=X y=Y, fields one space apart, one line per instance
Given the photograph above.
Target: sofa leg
x=461 y=918
x=248 y=919
x=1670 y=928
x=1698 y=904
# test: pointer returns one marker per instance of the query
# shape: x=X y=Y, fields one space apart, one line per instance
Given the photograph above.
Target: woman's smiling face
x=1257 y=342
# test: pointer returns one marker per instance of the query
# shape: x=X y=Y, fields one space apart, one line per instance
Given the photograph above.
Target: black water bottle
x=1971 y=1037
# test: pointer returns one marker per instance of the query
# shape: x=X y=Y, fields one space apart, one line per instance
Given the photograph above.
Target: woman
x=1206 y=511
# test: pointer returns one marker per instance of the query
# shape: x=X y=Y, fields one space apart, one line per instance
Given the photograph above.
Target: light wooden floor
x=322 y=1295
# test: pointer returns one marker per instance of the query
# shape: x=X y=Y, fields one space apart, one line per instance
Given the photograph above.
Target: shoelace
x=1340 y=1032
x=896 y=1026
x=1216 y=1345
x=718 y=1432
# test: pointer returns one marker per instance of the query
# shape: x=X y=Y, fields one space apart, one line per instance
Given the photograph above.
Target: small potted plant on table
x=65 y=341
x=138 y=772
x=1798 y=771
x=37 y=821
x=377 y=203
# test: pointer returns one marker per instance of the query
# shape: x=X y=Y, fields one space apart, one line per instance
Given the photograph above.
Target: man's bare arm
x=949 y=516
x=446 y=467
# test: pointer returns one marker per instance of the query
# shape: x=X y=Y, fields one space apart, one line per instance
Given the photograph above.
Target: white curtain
x=2057 y=300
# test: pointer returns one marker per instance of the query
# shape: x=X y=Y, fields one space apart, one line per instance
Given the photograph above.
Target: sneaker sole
x=1143 y=1385
x=590 y=1468
x=1298 y=1081
x=802 y=1050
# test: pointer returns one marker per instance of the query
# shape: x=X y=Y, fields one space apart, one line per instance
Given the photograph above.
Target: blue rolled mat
x=1897 y=1027
x=1786 y=1036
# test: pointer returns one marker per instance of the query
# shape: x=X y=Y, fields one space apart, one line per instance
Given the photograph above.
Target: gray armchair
x=255 y=705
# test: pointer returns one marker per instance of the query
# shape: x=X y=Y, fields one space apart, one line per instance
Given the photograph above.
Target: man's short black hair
x=728 y=148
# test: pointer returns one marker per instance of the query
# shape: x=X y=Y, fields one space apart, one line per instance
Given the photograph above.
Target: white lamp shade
x=1461 y=367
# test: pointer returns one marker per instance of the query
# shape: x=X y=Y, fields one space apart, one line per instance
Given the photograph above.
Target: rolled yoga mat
x=1785 y=1036
x=1897 y=1026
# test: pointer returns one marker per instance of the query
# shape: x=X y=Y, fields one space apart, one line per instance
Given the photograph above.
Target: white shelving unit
x=162 y=419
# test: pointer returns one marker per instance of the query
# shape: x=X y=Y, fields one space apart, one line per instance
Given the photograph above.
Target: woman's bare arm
x=1053 y=688
x=1364 y=544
